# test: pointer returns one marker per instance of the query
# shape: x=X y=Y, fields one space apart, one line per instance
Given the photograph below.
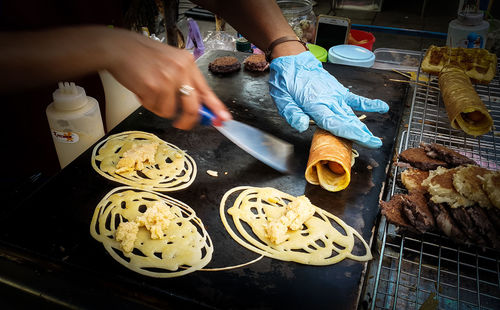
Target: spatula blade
x=272 y=151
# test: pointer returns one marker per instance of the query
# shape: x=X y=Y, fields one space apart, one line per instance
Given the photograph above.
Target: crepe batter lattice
x=186 y=246
x=318 y=242
x=173 y=168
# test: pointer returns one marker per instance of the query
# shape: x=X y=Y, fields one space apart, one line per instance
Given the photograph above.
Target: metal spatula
x=270 y=150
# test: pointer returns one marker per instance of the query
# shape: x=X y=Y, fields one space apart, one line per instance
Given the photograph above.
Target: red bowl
x=360 y=35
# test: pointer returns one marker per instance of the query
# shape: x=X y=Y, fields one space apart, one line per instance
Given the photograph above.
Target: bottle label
x=474 y=40
x=65 y=136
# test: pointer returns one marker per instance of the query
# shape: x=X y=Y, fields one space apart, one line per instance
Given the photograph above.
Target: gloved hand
x=302 y=89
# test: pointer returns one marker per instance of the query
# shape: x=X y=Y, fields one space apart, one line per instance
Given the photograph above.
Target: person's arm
x=30 y=59
x=300 y=87
x=259 y=21
x=153 y=71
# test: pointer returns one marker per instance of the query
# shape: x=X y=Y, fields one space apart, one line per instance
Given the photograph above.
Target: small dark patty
x=256 y=62
x=224 y=64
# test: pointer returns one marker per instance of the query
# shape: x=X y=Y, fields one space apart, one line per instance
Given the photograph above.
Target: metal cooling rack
x=417 y=269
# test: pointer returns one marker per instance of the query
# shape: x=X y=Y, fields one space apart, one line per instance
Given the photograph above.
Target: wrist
x=287 y=49
x=285 y=46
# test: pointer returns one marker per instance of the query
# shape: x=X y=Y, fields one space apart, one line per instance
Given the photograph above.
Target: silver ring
x=186 y=89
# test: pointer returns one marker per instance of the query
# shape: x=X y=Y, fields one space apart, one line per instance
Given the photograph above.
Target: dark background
x=28 y=152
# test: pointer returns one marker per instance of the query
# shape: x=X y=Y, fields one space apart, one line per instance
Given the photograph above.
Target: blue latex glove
x=302 y=89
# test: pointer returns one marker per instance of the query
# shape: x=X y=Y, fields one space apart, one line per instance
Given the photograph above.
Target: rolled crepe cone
x=326 y=148
x=465 y=109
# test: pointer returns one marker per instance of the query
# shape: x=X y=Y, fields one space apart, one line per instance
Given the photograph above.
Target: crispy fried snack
x=465 y=109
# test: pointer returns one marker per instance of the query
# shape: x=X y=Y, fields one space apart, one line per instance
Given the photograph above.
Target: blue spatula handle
x=207 y=117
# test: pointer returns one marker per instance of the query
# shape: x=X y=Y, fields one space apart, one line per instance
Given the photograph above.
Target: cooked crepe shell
x=460 y=98
x=325 y=148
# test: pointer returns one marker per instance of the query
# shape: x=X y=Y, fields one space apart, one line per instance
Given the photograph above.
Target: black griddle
x=47 y=236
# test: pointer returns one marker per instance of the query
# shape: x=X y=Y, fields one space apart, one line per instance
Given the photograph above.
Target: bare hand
x=155 y=72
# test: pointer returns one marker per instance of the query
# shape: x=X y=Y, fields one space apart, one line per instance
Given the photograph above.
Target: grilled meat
x=446 y=223
x=494 y=216
x=440 y=152
x=393 y=211
x=467 y=224
x=433 y=155
x=417 y=211
x=484 y=225
x=418 y=158
x=447 y=191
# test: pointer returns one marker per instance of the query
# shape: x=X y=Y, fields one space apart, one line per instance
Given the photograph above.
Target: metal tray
x=413 y=270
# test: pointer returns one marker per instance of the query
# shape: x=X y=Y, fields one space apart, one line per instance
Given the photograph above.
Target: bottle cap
x=243 y=45
x=470 y=18
x=69 y=97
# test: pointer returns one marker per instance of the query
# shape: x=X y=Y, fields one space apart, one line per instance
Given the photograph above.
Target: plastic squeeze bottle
x=120 y=102
x=75 y=121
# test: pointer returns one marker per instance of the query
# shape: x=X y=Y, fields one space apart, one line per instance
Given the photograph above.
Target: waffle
x=479 y=64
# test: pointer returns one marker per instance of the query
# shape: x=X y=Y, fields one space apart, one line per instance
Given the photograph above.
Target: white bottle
x=120 y=102
x=75 y=121
x=469 y=30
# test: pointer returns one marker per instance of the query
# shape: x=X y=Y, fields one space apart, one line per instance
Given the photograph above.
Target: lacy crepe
x=246 y=213
x=152 y=234
x=327 y=149
x=465 y=109
x=168 y=168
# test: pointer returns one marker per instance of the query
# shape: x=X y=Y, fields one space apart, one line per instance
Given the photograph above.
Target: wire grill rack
x=429 y=271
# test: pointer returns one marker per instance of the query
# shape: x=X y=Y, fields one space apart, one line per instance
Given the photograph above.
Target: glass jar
x=300 y=16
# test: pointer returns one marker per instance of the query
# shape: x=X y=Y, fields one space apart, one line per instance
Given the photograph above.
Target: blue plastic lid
x=352 y=52
x=351 y=55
